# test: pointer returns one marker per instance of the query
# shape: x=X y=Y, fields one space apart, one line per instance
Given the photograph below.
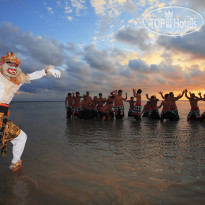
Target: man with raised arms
x=173 y=106
x=154 y=112
x=118 y=103
x=194 y=112
x=166 y=107
x=146 y=109
x=137 y=109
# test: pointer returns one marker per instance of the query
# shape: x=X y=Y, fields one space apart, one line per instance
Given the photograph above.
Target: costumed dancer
x=194 y=113
x=118 y=103
x=69 y=105
x=146 y=109
x=132 y=105
x=173 y=106
x=166 y=111
x=11 y=79
x=93 y=107
x=85 y=113
x=101 y=101
x=110 y=100
x=107 y=110
x=136 y=112
x=203 y=114
x=76 y=104
x=154 y=112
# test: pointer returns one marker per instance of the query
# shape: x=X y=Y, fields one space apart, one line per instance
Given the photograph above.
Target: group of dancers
x=85 y=107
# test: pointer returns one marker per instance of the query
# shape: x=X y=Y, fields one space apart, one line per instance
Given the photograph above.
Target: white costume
x=11 y=79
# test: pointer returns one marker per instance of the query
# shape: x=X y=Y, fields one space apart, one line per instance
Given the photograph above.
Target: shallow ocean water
x=112 y=162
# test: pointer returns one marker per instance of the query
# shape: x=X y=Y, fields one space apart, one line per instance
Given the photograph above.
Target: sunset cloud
x=133 y=37
x=193 y=43
x=102 y=45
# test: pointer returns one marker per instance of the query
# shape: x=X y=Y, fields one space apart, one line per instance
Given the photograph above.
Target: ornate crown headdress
x=10 y=58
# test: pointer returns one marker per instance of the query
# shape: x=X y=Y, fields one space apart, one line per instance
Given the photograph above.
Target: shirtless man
x=194 y=112
x=146 y=109
x=93 y=107
x=85 y=103
x=154 y=112
x=76 y=103
x=118 y=103
x=173 y=100
x=85 y=113
x=203 y=114
x=88 y=95
x=110 y=99
x=101 y=101
x=132 y=105
x=69 y=105
x=107 y=110
x=166 y=107
x=137 y=109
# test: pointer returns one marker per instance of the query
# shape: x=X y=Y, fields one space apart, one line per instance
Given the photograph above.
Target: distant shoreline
x=64 y=101
x=35 y=101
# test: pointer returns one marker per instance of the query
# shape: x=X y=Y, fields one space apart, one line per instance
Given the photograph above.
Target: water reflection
x=16 y=187
x=111 y=162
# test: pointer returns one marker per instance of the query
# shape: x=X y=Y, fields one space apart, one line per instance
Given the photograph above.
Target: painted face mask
x=10 y=65
x=10 y=69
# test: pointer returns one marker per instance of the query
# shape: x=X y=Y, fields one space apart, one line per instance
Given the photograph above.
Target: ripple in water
x=111 y=162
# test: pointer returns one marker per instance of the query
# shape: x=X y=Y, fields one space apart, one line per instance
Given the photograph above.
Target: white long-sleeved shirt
x=8 y=88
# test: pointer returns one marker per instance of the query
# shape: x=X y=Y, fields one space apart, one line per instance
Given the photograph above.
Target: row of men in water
x=89 y=108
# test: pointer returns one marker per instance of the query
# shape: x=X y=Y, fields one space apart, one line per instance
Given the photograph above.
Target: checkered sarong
x=76 y=109
x=119 y=110
x=155 y=112
x=137 y=109
x=164 y=113
x=194 y=113
x=175 y=111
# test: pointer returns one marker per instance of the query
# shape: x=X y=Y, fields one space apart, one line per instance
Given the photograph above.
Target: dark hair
x=139 y=91
x=100 y=93
x=132 y=97
x=166 y=96
x=77 y=93
x=119 y=91
x=69 y=94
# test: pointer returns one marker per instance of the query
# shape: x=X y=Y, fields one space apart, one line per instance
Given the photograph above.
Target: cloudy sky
x=100 y=46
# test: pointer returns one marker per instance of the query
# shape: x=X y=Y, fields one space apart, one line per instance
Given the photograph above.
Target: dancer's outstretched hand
x=51 y=70
x=56 y=73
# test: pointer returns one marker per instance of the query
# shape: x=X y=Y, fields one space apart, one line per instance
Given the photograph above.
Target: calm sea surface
x=112 y=162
